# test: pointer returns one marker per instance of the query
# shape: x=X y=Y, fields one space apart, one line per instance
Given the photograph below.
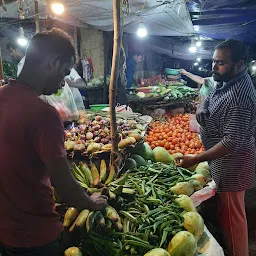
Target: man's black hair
x=137 y=54
x=239 y=50
x=47 y=43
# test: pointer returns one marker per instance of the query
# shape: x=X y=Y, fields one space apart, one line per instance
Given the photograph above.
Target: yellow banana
x=95 y=174
x=118 y=226
x=80 y=220
x=70 y=216
x=111 y=214
x=111 y=176
x=103 y=171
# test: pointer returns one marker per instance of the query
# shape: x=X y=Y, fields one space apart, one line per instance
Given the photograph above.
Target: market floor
x=250 y=202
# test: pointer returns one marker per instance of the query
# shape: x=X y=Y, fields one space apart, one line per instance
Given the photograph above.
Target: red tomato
x=167 y=146
x=174 y=141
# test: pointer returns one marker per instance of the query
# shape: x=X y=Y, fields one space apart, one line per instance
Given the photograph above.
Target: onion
x=82 y=127
x=73 y=129
x=106 y=130
x=98 y=118
x=82 y=137
x=68 y=134
x=96 y=127
x=97 y=139
x=103 y=135
x=104 y=141
x=89 y=135
x=94 y=122
x=103 y=122
x=95 y=133
x=79 y=147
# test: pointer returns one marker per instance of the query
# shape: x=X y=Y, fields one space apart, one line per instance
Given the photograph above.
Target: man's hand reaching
x=186 y=161
x=99 y=202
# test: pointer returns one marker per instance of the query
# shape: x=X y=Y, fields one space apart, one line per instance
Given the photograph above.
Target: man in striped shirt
x=227 y=118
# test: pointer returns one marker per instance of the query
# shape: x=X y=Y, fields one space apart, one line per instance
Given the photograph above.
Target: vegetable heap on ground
x=149 y=209
x=174 y=135
x=93 y=135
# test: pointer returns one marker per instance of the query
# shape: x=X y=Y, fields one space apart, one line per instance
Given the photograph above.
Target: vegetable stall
x=149 y=210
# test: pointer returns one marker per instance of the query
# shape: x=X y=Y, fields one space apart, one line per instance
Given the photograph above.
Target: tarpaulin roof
x=164 y=18
x=221 y=19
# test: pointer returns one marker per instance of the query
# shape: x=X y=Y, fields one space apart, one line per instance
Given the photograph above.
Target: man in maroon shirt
x=32 y=153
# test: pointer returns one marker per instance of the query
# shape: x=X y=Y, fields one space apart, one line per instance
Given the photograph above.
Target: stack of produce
x=98 y=82
x=93 y=136
x=168 y=93
x=150 y=210
x=174 y=135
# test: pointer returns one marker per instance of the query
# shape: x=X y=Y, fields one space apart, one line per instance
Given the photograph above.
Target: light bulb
x=196 y=64
x=254 y=68
x=198 y=43
x=196 y=28
x=142 y=31
x=200 y=69
x=192 y=49
x=22 y=41
x=198 y=59
x=58 y=8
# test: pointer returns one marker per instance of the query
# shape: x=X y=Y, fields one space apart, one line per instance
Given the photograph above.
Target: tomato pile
x=174 y=136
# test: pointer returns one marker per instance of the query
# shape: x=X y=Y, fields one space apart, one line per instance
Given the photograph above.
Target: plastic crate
x=98 y=107
x=172 y=72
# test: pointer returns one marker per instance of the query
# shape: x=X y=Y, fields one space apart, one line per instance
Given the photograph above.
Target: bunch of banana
x=92 y=177
x=95 y=181
x=92 y=219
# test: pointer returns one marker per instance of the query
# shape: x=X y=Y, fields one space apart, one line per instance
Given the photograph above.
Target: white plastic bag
x=77 y=98
x=204 y=194
x=64 y=104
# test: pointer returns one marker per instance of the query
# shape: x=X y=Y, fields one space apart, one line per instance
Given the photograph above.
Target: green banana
x=88 y=173
x=100 y=220
x=121 y=180
x=90 y=220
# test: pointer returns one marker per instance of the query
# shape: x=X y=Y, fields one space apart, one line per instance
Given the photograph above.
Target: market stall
x=149 y=204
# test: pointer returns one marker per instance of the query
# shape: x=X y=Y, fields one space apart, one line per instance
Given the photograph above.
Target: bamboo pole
x=37 y=17
x=113 y=82
x=1 y=68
